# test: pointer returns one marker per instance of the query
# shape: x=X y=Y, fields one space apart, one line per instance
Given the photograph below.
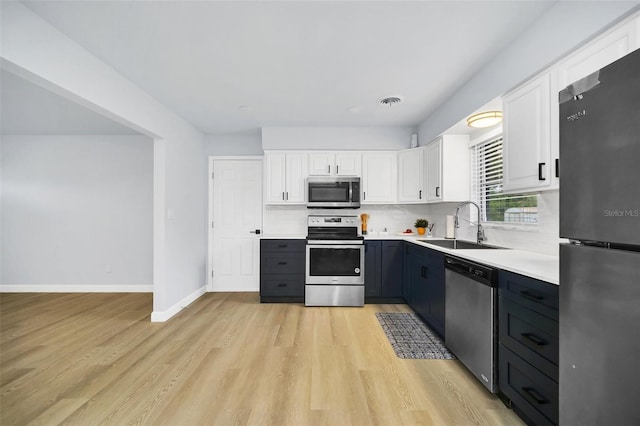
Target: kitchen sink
x=459 y=244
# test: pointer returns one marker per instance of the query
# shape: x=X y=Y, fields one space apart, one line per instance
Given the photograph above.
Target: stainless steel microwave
x=333 y=192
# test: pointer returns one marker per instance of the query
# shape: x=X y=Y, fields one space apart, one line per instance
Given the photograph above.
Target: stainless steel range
x=334 y=262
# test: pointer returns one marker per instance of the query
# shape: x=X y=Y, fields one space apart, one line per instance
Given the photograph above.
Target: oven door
x=335 y=264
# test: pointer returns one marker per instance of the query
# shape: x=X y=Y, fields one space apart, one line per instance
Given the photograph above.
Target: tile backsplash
x=541 y=238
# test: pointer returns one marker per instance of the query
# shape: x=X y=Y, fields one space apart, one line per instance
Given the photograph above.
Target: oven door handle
x=341 y=243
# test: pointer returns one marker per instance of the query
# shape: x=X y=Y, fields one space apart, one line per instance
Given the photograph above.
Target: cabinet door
x=411 y=175
x=379 y=177
x=419 y=291
x=274 y=182
x=321 y=164
x=391 y=268
x=348 y=164
x=527 y=136
x=406 y=272
x=296 y=174
x=599 y=53
x=433 y=168
x=372 y=269
x=436 y=290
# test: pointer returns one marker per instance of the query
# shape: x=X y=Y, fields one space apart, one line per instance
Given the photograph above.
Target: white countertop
x=535 y=265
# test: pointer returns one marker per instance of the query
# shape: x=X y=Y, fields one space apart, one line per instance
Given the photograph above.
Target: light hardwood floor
x=90 y=359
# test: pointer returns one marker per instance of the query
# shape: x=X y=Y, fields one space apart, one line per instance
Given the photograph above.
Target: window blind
x=487 y=185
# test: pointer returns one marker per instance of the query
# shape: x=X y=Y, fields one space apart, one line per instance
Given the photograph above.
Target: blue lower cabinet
x=383 y=275
x=282 y=270
x=528 y=348
x=391 y=269
x=424 y=287
x=372 y=287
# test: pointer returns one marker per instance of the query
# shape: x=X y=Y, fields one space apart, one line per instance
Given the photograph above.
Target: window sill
x=524 y=227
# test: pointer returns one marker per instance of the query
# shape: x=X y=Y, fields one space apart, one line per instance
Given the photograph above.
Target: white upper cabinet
x=605 y=49
x=335 y=164
x=531 y=121
x=348 y=163
x=447 y=169
x=285 y=175
x=434 y=171
x=379 y=177
x=527 y=136
x=411 y=175
x=320 y=163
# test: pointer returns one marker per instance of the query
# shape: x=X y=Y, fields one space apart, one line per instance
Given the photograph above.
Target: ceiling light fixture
x=390 y=100
x=484 y=119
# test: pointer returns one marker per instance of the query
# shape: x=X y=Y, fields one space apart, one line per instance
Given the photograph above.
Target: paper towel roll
x=450 y=227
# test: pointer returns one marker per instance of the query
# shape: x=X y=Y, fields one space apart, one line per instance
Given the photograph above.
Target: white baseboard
x=231 y=289
x=162 y=316
x=70 y=288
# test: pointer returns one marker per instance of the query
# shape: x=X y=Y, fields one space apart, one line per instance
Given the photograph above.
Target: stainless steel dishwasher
x=471 y=317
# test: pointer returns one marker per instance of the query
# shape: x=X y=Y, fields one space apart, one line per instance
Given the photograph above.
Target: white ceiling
x=236 y=66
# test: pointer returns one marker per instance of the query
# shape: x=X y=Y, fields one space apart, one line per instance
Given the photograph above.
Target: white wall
x=336 y=138
x=560 y=30
x=37 y=51
x=77 y=211
x=240 y=144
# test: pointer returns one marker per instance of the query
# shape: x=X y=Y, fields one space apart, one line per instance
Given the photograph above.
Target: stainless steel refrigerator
x=600 y=270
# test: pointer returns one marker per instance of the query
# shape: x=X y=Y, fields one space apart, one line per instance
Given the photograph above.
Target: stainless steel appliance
x=599 y=371
x=470 y=317
x=333 y=192
x=334 y=262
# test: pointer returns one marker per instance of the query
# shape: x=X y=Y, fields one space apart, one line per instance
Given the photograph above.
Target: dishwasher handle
x=477 y=272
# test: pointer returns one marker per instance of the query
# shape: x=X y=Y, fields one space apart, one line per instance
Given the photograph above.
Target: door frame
x=211 y=160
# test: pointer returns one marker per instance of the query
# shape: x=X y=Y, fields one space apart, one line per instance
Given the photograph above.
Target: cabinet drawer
x=532 y=336
x=282 y=285
x=535 y=394
x=283 y=246
x=534 y=294
x=282 y=263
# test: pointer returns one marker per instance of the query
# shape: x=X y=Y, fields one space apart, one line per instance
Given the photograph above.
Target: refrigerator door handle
x=557 y=167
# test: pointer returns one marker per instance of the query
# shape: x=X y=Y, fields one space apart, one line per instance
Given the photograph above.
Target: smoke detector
x=391 y=100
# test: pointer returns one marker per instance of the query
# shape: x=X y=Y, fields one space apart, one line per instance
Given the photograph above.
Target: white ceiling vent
x=391 y=100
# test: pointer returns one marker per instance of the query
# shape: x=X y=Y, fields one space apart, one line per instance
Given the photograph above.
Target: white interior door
x=235 y=208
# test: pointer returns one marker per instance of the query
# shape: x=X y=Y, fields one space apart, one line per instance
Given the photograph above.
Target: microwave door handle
x=350 y=191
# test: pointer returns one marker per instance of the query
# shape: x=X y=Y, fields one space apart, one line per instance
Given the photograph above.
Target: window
x=486 y=187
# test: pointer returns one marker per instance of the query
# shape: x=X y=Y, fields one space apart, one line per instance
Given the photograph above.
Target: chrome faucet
x=480 y=233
